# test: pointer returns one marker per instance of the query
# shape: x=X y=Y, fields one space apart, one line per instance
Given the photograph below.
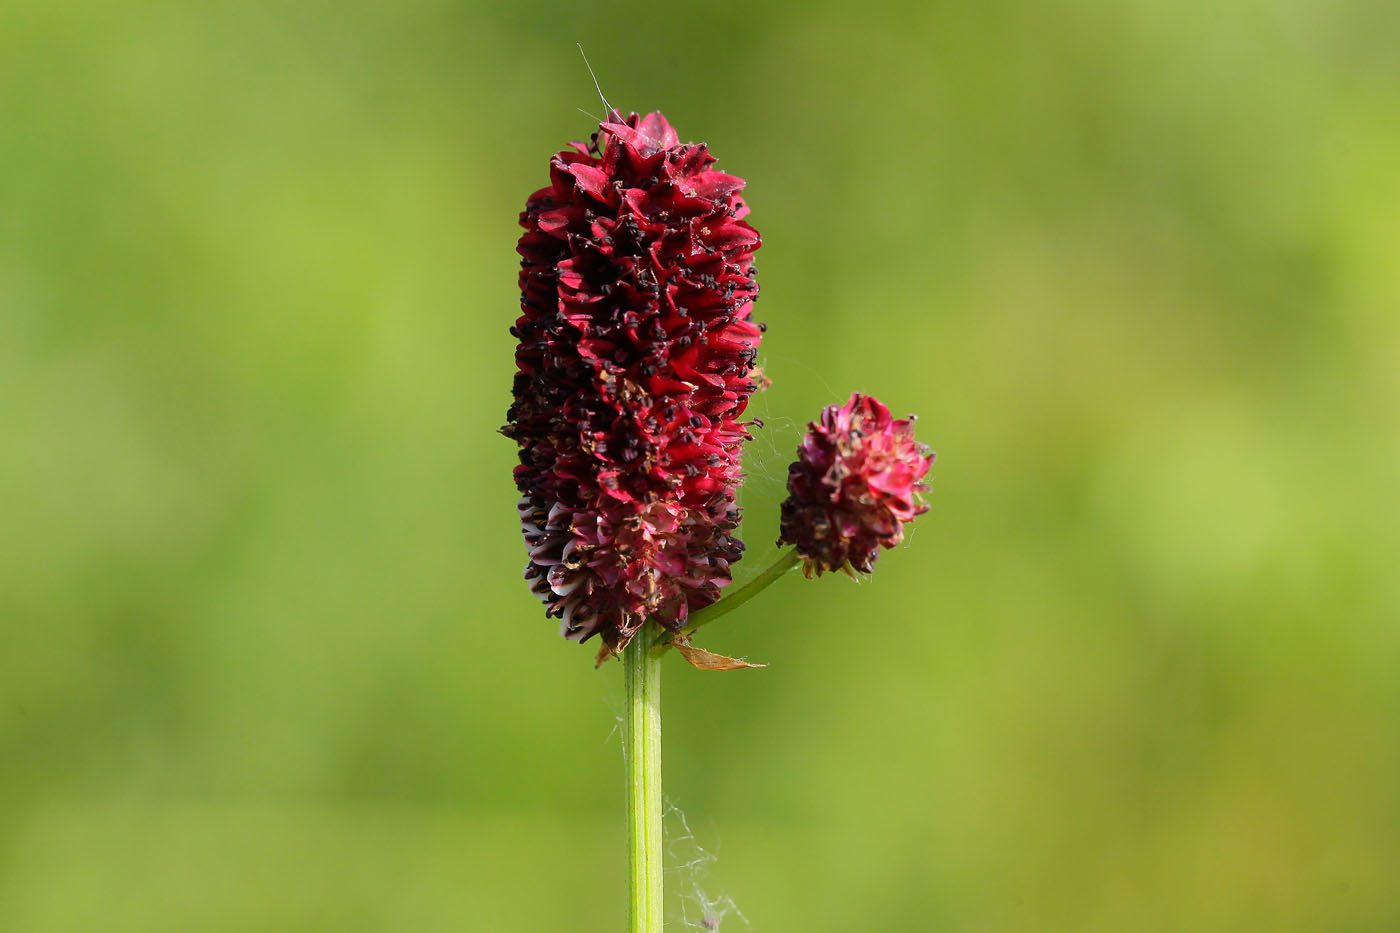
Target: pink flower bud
x=854 y=485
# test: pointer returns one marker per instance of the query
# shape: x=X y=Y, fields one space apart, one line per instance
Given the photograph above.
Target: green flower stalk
x=642 y=748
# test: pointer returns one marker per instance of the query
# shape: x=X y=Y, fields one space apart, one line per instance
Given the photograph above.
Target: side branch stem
x=785 y=562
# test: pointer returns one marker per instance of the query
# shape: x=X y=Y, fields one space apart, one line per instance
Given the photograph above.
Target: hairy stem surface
x=642 y=740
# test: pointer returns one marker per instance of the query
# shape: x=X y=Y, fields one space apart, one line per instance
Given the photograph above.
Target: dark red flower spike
x=635 y=352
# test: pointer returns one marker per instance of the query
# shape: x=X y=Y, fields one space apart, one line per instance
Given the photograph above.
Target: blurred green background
x=266 y=660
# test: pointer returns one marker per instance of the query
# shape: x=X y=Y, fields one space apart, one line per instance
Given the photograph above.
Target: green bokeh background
x=266 y=660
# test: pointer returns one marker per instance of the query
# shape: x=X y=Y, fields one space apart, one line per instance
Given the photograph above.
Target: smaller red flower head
x=853 y=487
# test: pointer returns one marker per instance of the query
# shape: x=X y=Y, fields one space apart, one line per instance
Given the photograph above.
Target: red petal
x=594 y=181
x=712 y=185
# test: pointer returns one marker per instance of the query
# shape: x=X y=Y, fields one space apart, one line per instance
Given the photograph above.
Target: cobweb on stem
x=689 y=864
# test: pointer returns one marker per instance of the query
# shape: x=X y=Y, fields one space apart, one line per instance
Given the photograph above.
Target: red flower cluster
x=636 y=345
x=853 y=486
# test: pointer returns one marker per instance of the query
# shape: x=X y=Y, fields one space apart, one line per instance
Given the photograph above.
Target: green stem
x=642 y=743
x=785 y=562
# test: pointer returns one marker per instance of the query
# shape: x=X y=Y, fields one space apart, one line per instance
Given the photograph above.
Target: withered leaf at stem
x=704 y=660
